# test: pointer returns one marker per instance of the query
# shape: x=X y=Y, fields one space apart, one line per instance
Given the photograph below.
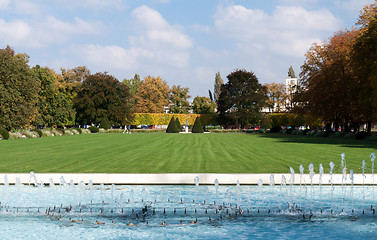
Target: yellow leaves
x=164 y=118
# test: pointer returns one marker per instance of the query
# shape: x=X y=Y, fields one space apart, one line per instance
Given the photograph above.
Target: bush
x=361 y=135
x=319 y=134
x=197 y=128
x=275 y=129
x=61 y=130
x=289 y=130
x=79 y=130
x=261 y=130
x=105 y=123
x=4 y=133
x=46 y=133
x=38 y=131
x=172 y=127
x=178 y=123
x=29 y=134
x=93 y=129
x=297 y=132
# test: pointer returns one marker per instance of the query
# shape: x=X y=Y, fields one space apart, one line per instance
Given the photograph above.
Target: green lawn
x=179 y=153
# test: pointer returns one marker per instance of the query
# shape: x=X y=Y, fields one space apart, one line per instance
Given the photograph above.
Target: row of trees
x=339 y=76
x=40 y=96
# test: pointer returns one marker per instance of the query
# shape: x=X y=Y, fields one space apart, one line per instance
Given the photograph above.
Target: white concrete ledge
x=181 y=178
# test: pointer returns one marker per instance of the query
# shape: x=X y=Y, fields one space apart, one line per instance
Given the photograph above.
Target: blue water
x=187 y=212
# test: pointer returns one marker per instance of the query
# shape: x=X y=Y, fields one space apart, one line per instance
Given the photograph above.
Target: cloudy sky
x=184 y=41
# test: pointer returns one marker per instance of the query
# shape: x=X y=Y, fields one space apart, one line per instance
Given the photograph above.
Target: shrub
x=61 y=130
x=4 y=133
x=172 y=127
x=38 y=131
x=319 y=134
x=79 y=130
x=275 y=129
x=289 y=130
x=361 y=135
x=372 y=138
x=85 y=131
x=297 y=132
x=16 y=135
x=29 y=134
x=105 y=123
x=197 y=128
x=56 y=132
x=93 y=129
x=261 y=130
x=178 y=123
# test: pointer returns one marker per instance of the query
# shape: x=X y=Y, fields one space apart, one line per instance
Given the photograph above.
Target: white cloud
x=353 y=5
x=4 y=4
x=40 y=34
x=287 y=31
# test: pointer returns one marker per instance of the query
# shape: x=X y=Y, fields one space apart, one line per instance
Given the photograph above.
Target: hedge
x=164 y=118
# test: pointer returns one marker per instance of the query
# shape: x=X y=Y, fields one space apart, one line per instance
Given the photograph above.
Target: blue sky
x=184 y=41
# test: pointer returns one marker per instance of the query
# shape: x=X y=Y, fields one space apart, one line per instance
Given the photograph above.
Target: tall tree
x=241 y=99
x=276 y=96
x=217 y=87
x=102 y=96
x=152 y=96
x=328 y=78
x=18 y=90
x=133 y=84
x=291 y=72
x=364 y=59
x=179 y=99
x=54 y=104
x=203 y=105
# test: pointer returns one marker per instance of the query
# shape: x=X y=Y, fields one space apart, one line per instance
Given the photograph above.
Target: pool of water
x=187 y=212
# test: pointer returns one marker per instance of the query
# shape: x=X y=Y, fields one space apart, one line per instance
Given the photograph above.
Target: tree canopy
x=102 y=95
x=179 y=99
x=241 y=99
x=203 y=105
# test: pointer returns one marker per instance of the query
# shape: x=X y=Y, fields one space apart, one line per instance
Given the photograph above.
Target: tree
x=197 y=128
x=328 y=79
x=203 y=105
x=18 y=90
x=133 y=84
x=179 y=99
x=55 y=105
x=102 y=95
x=241 y=99
x=152 y=96
x=217 y=88
x=364 y=60
x=172 y=127
x=71 y=79
x=178 y=123
x=276 y=96
x=291 y=72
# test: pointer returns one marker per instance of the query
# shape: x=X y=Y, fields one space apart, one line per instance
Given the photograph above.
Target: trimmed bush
x=275 y=129
x=361 y=135
x=4 y=133
x=197 y=128
x=79 y=130
x=105 y=124
x=93 y=129
x=179 y=126
x=38 y=131
x=172 y=127
x=61 y=130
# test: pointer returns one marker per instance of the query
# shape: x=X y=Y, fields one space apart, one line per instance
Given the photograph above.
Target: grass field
x=179 y=153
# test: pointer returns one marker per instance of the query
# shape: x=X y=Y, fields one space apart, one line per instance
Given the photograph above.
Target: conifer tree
x=197 y=128
x=178 y=123
x=172 y=127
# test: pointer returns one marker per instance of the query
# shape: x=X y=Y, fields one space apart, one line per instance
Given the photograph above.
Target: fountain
x=196 y=211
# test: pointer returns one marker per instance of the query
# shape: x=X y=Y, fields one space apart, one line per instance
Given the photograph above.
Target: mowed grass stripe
x=179 y=153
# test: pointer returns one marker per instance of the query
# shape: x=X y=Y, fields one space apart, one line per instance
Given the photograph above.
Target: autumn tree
x=152 y=96
x=133 y=85
x=276 y=96
x=364 y=59
x=241 y=99
x=328 y=79
x=102 y=96
x=179 y=99
x=55 y=106
x=217 y=87
x=203 y=105
x=18 y=90
x=71 y=79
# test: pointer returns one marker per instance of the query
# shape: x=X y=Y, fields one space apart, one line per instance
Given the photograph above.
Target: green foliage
x=105 y=123
x=241 y=99
x=217 y=87
x=203 y=105
x=179 y=98
x=4 y=133
x=102 y=95
x=178 y=123
x=93 y=129
x=197 y=128
x=18 y=90
x=291 y=72
x=172 y=127
x=79 y=130
x=61 y=130
x=38 y=131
